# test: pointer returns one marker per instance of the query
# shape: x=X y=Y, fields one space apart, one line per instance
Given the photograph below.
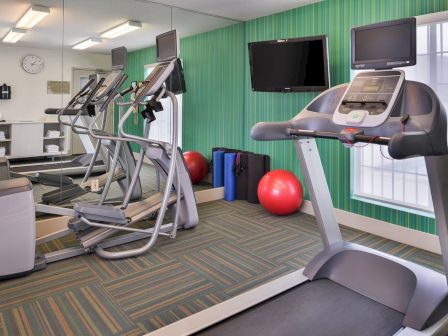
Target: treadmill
x=348 y=289
x=121 y=162
x=76 y=166
x=38 y=172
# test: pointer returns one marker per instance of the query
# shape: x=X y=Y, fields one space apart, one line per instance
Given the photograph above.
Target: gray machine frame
x=95 y=224
x=120 y=162
x=171 y=166
x=430 y=287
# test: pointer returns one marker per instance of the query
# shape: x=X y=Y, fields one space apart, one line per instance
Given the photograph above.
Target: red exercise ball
x=197 y=166
x=280 y=192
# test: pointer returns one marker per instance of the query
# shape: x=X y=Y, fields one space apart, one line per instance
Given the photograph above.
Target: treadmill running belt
x=318 y=308
x=44 y=167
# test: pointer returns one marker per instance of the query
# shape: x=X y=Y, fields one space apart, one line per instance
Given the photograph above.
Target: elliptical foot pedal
x=63 y=194
x=100 y=213
x=53 y=180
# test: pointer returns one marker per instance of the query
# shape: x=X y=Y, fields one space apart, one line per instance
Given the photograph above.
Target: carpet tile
x=236 y=247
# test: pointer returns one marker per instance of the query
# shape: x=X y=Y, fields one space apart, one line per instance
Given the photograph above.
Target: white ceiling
x=82 y=19
x=239 y=9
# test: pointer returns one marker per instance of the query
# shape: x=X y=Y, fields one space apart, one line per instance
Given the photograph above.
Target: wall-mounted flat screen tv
x=290 y=65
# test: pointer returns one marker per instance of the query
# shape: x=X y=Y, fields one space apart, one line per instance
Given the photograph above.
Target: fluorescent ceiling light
x=14 y=35
x=121 y=29
x=87 y=43
x=32 y=17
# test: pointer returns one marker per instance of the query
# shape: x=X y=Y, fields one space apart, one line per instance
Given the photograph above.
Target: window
x=403 y=184
x=161 y=128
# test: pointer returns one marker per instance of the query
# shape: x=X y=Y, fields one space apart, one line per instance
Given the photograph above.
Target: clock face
x=32 y=64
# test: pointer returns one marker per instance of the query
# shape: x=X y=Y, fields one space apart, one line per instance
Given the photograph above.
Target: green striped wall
x=214 y=73
x=213 y=105
x=333 y=18
x=220 y=108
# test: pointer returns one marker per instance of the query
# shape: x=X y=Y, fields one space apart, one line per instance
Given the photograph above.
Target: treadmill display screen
x=385 y=45
x=371 y=88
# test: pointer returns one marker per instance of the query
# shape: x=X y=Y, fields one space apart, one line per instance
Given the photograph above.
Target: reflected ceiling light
x=87 y=43
x=32 y=17
x=14 y=35
x=121 y=29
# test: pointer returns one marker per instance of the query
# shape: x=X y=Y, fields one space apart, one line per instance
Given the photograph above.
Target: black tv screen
x=119 y=58
x=293 y=65
x=167 y=46
x=384 y=45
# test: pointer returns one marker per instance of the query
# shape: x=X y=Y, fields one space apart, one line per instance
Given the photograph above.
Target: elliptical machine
x=95 y=99
x=94 y=225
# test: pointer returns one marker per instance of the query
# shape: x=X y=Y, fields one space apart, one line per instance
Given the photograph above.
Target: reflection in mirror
x=71 y=75
x=93 y=31
x=31 y=76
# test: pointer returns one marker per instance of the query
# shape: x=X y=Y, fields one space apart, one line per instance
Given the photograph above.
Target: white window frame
x=395 y=174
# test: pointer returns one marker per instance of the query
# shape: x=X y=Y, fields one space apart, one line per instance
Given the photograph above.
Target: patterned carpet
x=237 y=246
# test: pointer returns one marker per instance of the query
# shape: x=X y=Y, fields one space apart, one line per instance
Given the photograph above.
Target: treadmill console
x=369 y=99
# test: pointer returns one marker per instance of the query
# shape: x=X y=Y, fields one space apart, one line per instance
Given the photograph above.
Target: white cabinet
x=27 y=139
x=30 y=139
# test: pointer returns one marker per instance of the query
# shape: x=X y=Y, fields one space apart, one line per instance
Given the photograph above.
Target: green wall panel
x=220 y=108
x=213 y=107
x=333 y=18
x=214 y=73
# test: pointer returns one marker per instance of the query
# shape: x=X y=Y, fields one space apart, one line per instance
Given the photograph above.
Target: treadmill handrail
x=340 y=136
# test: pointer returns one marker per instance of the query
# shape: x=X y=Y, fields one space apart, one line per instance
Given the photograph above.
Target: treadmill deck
x=317 y=308
x=66 y=168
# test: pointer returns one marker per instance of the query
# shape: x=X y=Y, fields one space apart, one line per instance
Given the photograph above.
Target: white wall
x=29 y=92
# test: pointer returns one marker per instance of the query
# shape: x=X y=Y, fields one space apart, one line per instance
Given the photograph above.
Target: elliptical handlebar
x=82 y=109
x=128 y=113
x=81 y=93
x=172 y=171
x=89 y=130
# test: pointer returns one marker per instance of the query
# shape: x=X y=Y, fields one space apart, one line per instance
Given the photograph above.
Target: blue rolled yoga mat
x=218 y=169
x=229 y=177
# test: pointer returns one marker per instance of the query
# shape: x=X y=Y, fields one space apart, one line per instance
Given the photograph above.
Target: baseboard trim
x=202 y=196
x=45 y=227
x=209 y=195
x=422 y=240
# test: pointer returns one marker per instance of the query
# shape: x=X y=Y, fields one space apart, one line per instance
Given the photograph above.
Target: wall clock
x=32 y=64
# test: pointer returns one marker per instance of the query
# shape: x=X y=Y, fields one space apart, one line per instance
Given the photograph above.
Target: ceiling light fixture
x=87 y=43
x=32 y=17
x=14 y=35
x=121 y=29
